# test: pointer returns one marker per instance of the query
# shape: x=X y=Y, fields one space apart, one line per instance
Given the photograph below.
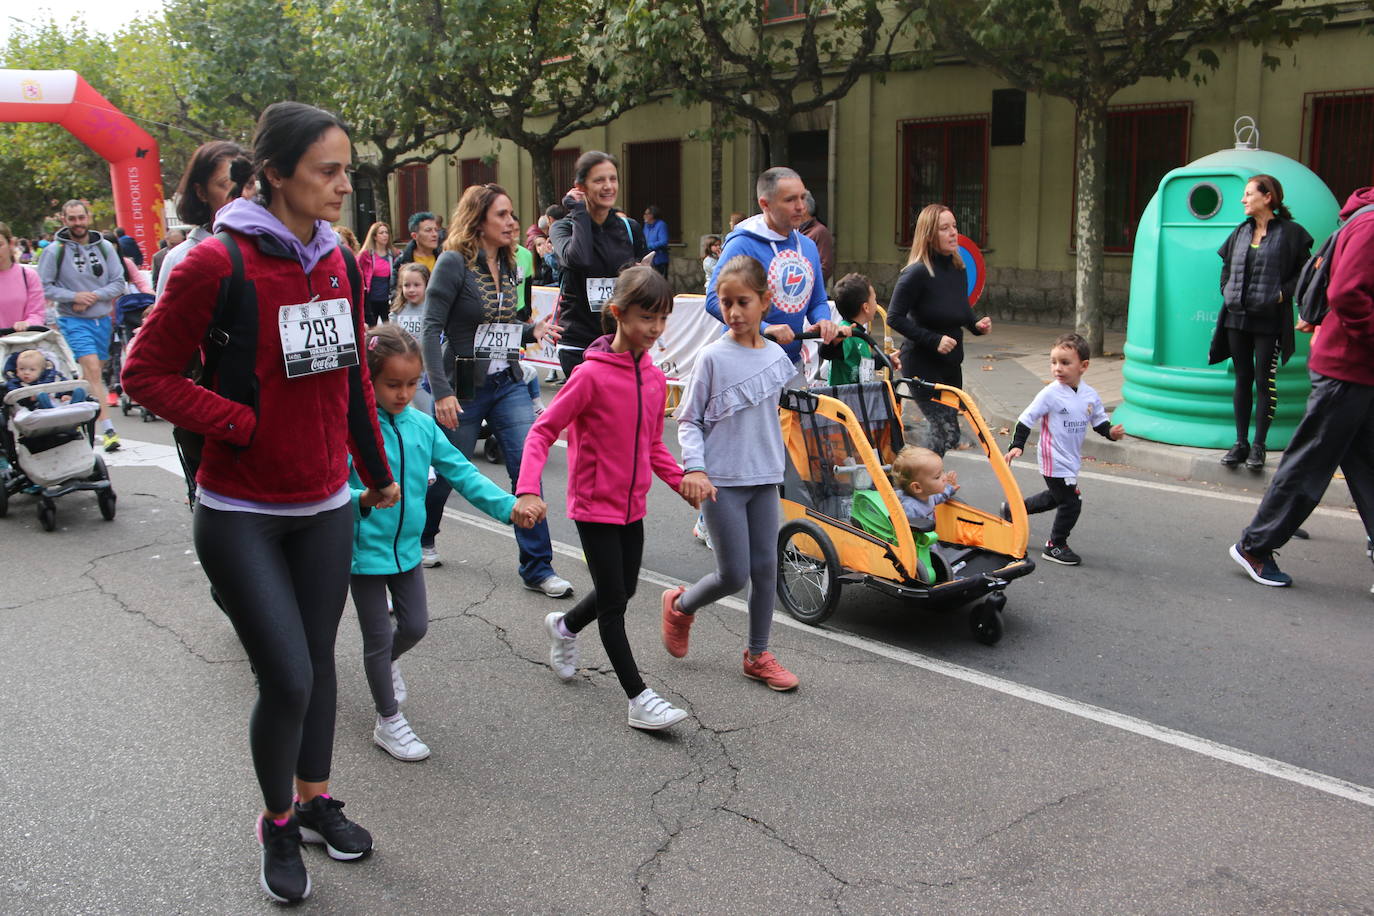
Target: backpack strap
x=230 y=294
x=355 y=278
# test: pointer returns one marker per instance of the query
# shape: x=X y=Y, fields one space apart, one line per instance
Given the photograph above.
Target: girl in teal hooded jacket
x=386 y=542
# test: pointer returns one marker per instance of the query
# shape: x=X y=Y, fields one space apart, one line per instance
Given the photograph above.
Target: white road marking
x=133 y=453
x=148 y=454
x=1207 y=748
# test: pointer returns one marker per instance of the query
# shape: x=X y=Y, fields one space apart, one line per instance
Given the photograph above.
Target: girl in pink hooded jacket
x=612 y=406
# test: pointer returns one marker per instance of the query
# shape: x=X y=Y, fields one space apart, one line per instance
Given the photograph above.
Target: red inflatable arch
x=63 y=97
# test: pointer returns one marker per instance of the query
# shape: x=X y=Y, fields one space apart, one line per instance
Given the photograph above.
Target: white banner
x=689 y=329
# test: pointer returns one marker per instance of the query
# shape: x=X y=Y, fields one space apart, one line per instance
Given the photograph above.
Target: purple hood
x=251 y=218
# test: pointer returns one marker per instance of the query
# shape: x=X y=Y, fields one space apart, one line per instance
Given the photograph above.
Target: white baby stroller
x=50 y=452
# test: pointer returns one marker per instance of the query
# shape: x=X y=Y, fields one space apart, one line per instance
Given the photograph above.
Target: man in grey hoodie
x=82 y=273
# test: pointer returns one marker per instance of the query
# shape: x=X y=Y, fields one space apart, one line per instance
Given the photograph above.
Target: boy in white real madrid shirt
x=1065 y=408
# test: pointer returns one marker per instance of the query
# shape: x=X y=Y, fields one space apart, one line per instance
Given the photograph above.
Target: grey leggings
x=743 y=522
x=383 y=643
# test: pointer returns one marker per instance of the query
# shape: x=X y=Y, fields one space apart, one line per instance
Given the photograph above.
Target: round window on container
x=1204 y=200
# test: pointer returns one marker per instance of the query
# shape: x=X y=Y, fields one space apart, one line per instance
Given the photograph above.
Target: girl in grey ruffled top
x=728 y=418
x=728 y=429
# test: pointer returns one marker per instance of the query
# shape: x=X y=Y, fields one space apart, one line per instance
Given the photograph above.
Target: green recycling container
x=1169 y=393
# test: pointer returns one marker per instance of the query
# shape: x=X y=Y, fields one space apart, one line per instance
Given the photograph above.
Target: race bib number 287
x=317 y=337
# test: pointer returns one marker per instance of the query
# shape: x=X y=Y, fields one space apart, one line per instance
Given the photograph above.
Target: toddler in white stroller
x=47 y=426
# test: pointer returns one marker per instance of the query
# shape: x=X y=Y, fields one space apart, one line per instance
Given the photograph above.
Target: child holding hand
x=386 y=542
x=732 y=441
x=612 y=407
x=1065 y=409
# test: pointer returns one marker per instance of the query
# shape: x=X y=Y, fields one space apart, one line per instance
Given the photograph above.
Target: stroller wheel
x=985 y=620
x=47 y=514
x=4 y=499
x=107 y=500
x=124 y=405
x=808 y=572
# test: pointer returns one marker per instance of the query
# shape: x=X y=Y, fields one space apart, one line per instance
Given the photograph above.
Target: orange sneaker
x=767 y=669
x=677 y=626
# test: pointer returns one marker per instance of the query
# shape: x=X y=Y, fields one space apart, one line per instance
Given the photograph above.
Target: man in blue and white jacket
x=790 y=260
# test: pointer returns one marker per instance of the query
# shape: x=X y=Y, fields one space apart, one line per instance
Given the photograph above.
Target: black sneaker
x=1256 y=460
x=322 y=821
x=1005 y=511
x=1238 y=453
x=282 y=876
x=1060 y=553
x=1262 y=569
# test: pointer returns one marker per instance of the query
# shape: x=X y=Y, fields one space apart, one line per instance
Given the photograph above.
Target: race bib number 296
x=317 y=337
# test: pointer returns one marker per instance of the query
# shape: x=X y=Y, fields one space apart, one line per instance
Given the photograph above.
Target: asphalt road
x=890 y=782
x=1159 y=622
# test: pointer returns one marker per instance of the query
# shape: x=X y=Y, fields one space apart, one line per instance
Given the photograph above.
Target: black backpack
x=1316 y=274
x=233 y=332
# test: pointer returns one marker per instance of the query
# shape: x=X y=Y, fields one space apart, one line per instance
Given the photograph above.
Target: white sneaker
x=553 y=586
x=429 y=556
x=651 y=712
x=701 y=532
x=398 y=684
x=538 y=404
x=562 y=651
x=397 y=738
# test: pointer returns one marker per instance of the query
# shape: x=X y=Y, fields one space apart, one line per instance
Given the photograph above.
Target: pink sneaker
x=767 y=669
x=677 y=626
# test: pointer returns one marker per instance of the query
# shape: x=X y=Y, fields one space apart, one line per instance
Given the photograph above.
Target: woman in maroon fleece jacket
x=273 y=522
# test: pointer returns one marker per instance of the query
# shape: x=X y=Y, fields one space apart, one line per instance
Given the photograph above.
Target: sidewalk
x=1004 y=369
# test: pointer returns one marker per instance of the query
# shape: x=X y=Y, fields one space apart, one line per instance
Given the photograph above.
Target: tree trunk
x=778 y=150
x=717 y=166
x=541 y=157
x=378 y=173
x=1090 y=220
x=381 y=199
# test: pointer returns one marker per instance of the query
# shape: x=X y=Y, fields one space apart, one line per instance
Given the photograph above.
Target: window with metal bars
x=412 y=190
x=476 y=171
x=944 y=161
x=1144 y=142
x=1341 y=148
x=654 y=172
x=779 y=10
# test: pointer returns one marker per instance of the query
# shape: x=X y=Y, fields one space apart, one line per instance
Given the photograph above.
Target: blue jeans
x=45 y=400
x=505 y=404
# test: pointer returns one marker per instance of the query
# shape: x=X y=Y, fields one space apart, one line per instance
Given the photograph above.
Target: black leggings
x=282 y=582
x=569 y=359
x=613 y=555
x=1256 y=359
x=1067 y=501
